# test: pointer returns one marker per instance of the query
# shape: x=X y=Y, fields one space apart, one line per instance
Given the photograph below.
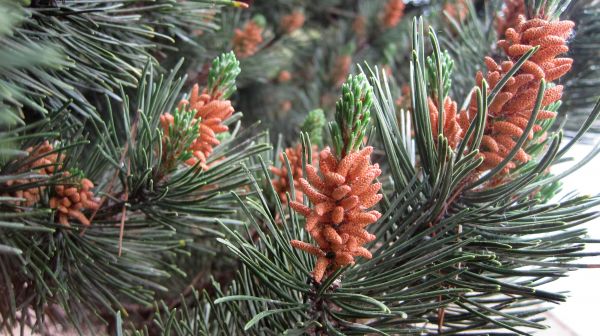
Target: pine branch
x=131 y=204
x=124 y=254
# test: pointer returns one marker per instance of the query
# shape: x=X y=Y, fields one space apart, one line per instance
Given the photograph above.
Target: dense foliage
x=392 y=173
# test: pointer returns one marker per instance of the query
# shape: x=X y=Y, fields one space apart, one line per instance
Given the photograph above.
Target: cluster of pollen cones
x=281 y=183
x=510 y=15
x=359 y=27
x=341 y=196
x=393 y=13
x=247 y=40
x=452 y=130
x=292 y=22
x=511 y=109
x=457 y=10
x=45 y=163
x=341 y=69
x=212 y=112
x=71 y=199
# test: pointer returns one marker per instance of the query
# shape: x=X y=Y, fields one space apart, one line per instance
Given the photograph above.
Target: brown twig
x=450 y=201
x=124 y=210
x=441 y=315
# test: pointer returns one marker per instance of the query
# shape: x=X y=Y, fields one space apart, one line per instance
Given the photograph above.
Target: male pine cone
x=510 y=111
x=341 y=197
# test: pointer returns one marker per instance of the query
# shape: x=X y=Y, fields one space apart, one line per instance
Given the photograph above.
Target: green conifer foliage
x=411 y=189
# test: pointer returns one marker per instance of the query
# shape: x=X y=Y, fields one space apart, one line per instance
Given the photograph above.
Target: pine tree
x=392 y=174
